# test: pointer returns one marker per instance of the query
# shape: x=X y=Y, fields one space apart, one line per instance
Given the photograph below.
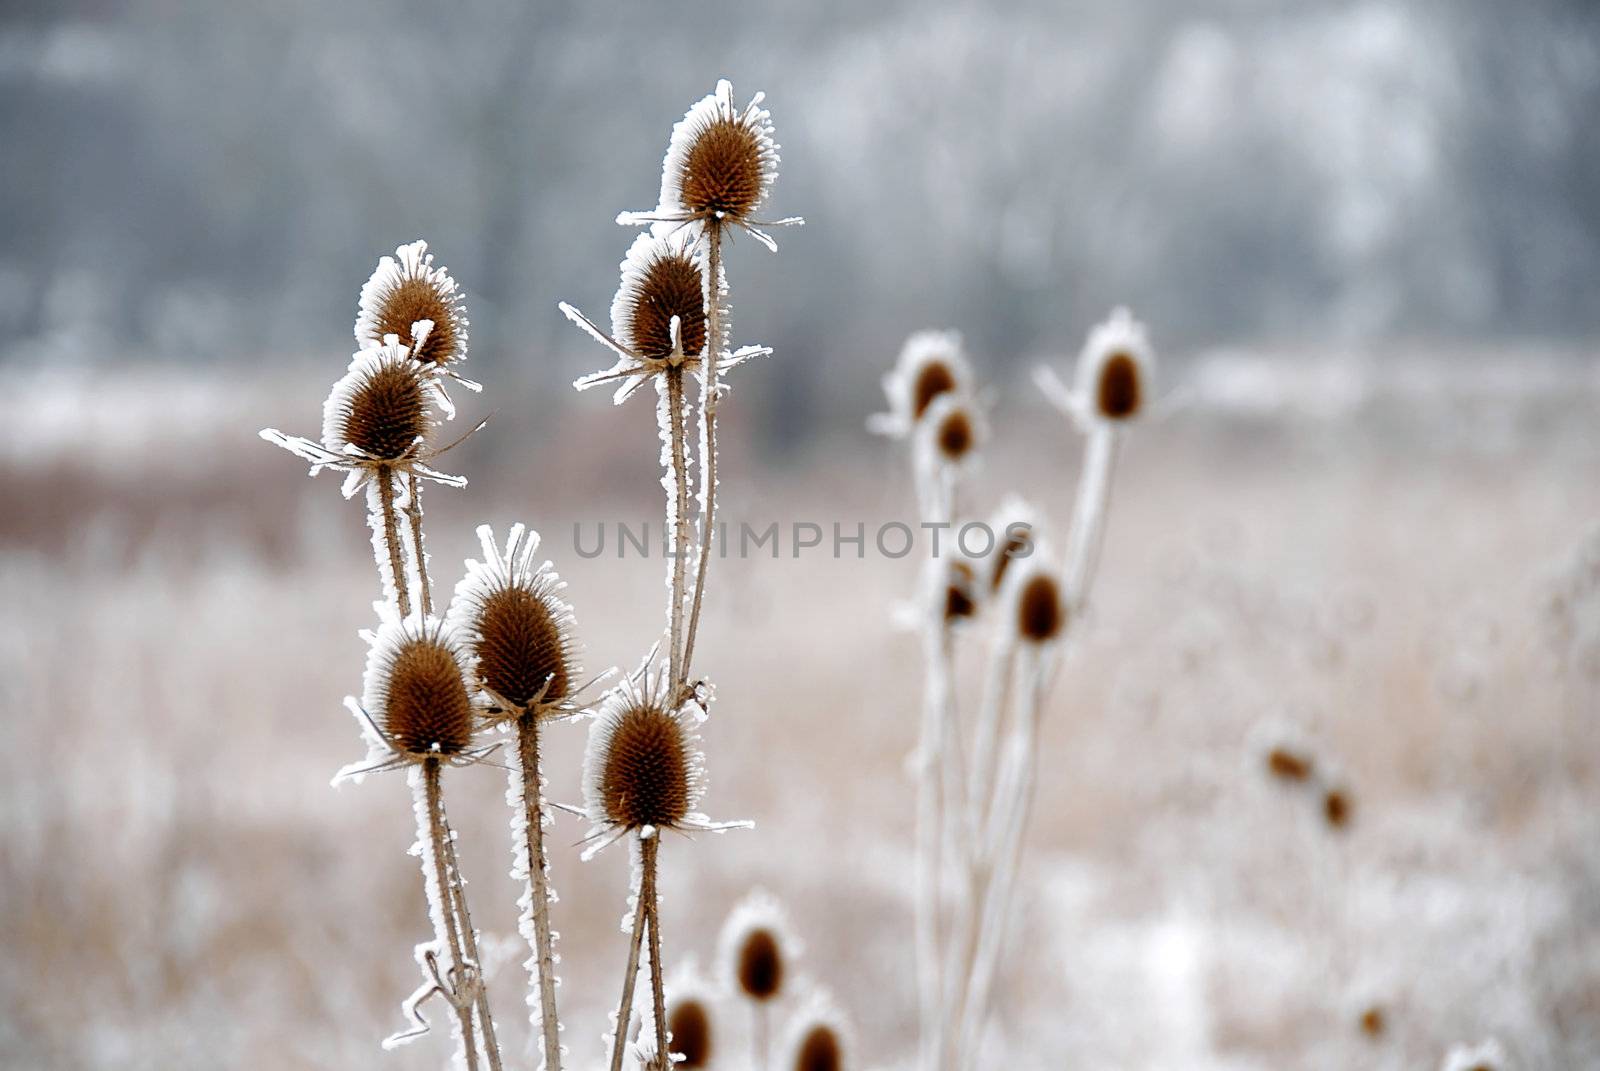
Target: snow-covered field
x=1393 y=559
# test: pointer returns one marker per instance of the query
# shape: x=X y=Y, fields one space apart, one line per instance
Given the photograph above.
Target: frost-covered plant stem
x=652 y=919
x=680 y=524
x=1087 y=533
x=391 y=537
x=630 y=975
x=469 y=943
x=418 y=555
x=459 y=975
x=530 y=784
x=708 y=435
x=986 y=740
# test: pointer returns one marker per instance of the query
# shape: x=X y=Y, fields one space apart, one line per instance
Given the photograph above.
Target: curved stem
x=708 y=435
x=391 y=538
x=631 y=974
x=538 y=887
x=444 y=904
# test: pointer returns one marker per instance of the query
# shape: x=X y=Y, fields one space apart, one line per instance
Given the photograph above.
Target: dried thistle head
x=663 y=279
x=931 y=365
x=1115 y=369
x=406 y=290
x=643 y=769
x=689 y=1024
x=756 y=947
x=520 y=630
x=416 y=701
x=1036 y=600
x=817 y=1039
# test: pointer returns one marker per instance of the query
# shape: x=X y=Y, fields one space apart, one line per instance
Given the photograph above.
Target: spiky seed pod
x=689 y=1023
x=721 y=162
x=1041 y=611
x=960 y=593
x=405 y=290
x=662 y=278
x=931 y=365
x=415 y=688
x=1114 y=369
x=520 y=630
x=382 y=407
x=757 y=945
x=645 y=780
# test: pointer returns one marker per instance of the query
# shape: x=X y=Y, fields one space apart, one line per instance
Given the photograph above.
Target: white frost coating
x=922 y=349
x=758 y=910
x=1488 y=1054
x=817 y=1009
x=937 y=473
x=521 y=872
x=382 y=647
x=410 y=262
x=380 y=539
x=631 y=692
x=1118 y=334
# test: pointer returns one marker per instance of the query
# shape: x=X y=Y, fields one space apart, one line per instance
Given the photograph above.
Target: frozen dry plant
x=448 y=689
x=976 y=776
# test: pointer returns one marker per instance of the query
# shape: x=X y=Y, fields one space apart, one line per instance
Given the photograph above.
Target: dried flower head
x=1014 y=526
x=689 y=1018
x=1336 y=807
x=1372 y=1021
x=1288 y=764
x=519 y=629
x=1034 y=596
x=950 y=434
x=405 y=290
x=757 y=946
x=817 y=1038
x=379 y=416
x=658 y=316
x=643 y=770
x=719 y=168
x=931 y=365
x=1114 y=375
x=416 y=700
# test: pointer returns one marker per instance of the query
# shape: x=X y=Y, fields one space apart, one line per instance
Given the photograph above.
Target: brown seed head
x=1118 y=397
x=415 y=298
x=1336 y=807
x=689 y=1022
x=1288 y=764
x=819 y=1050
x=1015 y=543
x=760 y=966
x=722 y=171
x=521 y=644
x=1040 y=613
x=1373 y=1023
x=934 y=378
x=955 y=435
x=426 y=708
x=387 y=412
x=645 y=776
x=958 y=601
x=671 y=286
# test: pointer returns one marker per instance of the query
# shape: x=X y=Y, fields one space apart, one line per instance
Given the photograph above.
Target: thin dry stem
x=414 y=515
x=708 y=438
x=619 y=1040
x=652 y=918
x=544 y=943
x=469 y=943
x=391 y=537
x=1087 y=534
x=680 y=526
x=458 y=974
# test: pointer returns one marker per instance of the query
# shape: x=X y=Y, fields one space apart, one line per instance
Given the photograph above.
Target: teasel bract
x=523 y=650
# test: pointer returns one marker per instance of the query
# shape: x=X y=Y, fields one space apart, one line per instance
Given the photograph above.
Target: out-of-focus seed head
x=820 y=1050
x=757 y=947
x=931 y=366
x=1120 y=392
x=1337 y=807
x=1041 y=611
x=689 y=1023
x=1115 y=369
x=662 y=278
x=1289 y=764
x=406 y=289
x=960 y=592
x=760 y=968
x=1373 y=1022
x=956 y=435
x=933 y=379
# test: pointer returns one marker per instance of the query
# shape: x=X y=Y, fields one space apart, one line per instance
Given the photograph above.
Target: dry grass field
x=1396 y=561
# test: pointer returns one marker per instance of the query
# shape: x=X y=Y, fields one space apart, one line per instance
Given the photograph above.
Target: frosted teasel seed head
x=519 y=629
x=757 y=946
x=1034 y=596
x=658 y=315
x=931 y=364
x=643 y=770
x=1115 y=378
x=817 y=1037
x=719 y=168
x=950 y=436
x=690 y=1012
x=408 y=297
x=379 y=416
x=1488 y=1055
x=416 y=700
